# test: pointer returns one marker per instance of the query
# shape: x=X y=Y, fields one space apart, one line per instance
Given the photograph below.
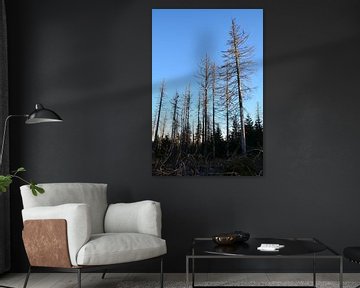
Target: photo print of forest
x=207 y=92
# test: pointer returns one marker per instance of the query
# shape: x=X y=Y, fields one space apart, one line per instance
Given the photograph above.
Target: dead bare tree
x=163 y=126
x=239 y=57
x=204 y=80
x=185 y=118
x=213 y=91
x=161 y=98
x=227 y=100
x=175 y=122
x=198 y=129
x=154 y=123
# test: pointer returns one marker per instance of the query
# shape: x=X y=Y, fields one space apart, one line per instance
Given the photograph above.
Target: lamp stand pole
x=4 y=134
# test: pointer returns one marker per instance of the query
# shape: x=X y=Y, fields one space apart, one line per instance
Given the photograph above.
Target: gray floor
x=119 y=280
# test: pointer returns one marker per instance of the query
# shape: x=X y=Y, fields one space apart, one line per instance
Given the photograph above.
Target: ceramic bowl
x=225 y=239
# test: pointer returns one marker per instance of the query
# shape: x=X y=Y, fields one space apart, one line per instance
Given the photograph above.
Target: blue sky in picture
x=182 y=37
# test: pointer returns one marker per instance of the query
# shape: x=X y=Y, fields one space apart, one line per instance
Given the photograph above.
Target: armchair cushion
x=113 y=248
x=138 y=217
x=78 y=221
x=92 y=194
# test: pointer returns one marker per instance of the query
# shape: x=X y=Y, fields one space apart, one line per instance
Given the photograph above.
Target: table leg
x=341 y=273
x=187 y=272
x=314 y=271
x=193 y=272
x=193 y=267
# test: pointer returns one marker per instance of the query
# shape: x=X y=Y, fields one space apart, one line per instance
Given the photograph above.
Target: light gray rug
x=181 y=284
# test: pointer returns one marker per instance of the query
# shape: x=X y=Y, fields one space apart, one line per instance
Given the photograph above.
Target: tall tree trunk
x=226 y=76
x=174 y=127
x=162 y=92
x=154 y=124
x=227 y=130
x=203 y=126
x=213 y=86
x=241 y=107
x=206 y=118
x=187 y=115
x=198 y=132
x=206 y=100
x=163 y=126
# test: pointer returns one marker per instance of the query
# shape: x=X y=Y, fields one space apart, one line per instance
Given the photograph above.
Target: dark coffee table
x=295 y=248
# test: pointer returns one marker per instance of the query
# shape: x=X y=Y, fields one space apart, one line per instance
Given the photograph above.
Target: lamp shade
x=42 y=115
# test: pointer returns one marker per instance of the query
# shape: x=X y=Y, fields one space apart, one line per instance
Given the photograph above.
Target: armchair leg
x=27 y=277
x=103 y=275
x=161 y=273
x=79 y=277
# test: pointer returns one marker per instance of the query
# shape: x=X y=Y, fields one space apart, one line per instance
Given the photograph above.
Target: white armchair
x=72 y=228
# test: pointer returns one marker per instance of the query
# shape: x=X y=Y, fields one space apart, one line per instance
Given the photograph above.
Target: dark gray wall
x=91 y=61
x=4 y=165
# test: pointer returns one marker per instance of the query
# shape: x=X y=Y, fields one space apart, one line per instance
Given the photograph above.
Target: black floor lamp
x=39 y=115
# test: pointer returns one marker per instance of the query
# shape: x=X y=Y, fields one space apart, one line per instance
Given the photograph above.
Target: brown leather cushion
x=46 y=243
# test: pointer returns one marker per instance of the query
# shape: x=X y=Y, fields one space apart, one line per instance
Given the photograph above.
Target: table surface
x=293 y=247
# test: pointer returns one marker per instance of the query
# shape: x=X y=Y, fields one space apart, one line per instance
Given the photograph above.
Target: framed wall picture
x=207 y=92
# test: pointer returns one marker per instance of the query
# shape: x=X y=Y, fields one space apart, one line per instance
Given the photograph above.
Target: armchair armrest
x=77 y=217
x=138 y=217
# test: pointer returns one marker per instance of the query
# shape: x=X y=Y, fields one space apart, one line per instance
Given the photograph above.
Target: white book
x=270 y=247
